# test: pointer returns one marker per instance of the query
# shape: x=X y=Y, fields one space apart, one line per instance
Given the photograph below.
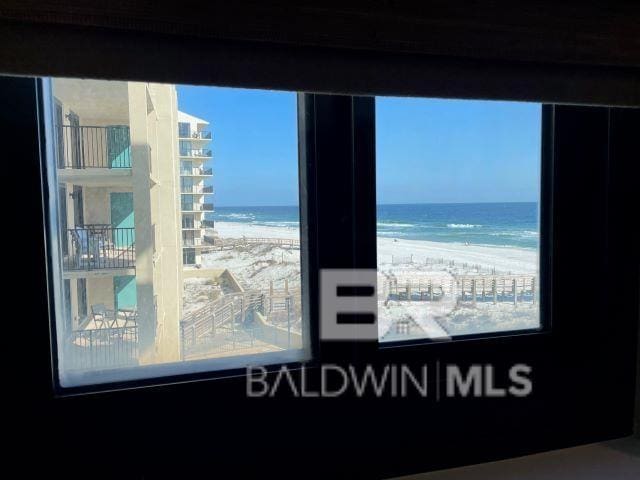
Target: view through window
x=177 y=229
x=458 y=187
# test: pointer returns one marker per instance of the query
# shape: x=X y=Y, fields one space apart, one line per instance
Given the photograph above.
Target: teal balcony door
x=122 y=219
x=118 y=146
x=124 y=290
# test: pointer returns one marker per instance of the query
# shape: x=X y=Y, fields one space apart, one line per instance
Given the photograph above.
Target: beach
x=503 y=259
x=413 y=266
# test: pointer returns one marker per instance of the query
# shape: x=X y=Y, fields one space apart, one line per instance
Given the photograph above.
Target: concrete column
x=166 y=220
x=141 y=179
x=153 y=126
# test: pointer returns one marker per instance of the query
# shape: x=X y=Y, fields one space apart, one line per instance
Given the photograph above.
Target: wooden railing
x=512 y=288
x=467 y=288
x=225 y=243
x=205 y=330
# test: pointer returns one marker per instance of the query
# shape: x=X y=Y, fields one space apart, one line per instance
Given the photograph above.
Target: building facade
x=193 y=142
x=119 y=214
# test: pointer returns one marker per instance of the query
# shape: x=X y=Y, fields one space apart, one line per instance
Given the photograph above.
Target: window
x=458 y=189
x=583 y=364
x=186 y=148
x=184 y=130
x=221 y=297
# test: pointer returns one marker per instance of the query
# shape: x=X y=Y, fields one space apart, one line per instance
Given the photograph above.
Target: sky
x=254 y=143
x=428 y=150
x=457 y=151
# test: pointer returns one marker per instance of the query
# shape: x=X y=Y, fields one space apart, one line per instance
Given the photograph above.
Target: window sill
x=616 y=459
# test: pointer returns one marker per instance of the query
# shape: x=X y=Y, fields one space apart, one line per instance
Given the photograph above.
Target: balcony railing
x=195 y=152
x=80 y=147
x=97 y=247
x=196 y=189
x=191 y=242
x=189 y=223
x=197 y=207
x=196 y=172
x=102 y=348
x=201 y=135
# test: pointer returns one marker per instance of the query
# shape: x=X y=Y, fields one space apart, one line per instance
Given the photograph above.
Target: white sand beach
x=256 y=266
x=503 y=259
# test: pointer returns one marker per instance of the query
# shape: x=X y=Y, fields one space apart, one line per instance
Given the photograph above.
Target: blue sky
x=428 y=151
x=255 y=143
x=457 y=151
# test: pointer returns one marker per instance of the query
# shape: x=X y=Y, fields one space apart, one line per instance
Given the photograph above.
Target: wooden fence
x=415 y=260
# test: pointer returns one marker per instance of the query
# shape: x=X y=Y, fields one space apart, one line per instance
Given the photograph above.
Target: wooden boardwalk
x=230 y=243
x=467 y=288
x=203 y=330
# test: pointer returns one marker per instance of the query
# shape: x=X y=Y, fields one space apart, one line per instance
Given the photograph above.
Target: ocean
x=498 y=224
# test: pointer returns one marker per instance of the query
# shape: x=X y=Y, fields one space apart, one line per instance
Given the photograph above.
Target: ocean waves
x=462 y=225
x=507 y=224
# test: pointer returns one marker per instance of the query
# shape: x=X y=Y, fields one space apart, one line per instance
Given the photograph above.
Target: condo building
x=119 y=231
x=193 y=141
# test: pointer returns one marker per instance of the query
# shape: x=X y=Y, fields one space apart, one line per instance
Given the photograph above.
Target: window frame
x=352 y=199
x=579 y=368
x=545 y=250
x=195 y=370
x=352 y=152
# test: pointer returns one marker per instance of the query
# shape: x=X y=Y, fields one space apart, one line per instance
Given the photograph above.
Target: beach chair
x=87 y=247
x=79 y=240
x=130 y=316
x=102 y=315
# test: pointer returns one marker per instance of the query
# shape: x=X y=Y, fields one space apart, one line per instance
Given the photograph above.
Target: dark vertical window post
x=338 y=144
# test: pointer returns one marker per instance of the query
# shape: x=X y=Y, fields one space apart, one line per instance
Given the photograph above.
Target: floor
x=617 y=459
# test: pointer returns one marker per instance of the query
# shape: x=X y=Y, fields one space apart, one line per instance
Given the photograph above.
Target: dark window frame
x=155 y=376
x=584 y=372
x=545 y=247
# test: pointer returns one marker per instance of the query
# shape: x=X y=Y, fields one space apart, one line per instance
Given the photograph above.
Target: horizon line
x=390 y=204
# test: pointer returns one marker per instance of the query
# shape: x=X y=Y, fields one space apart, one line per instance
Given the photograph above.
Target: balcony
x=196 y=172
x=201 y=135
x=98 y=247
x=194 y=189
x=196 y=152
x=197 y=207
x=191 y=224
x=191 y=242
x=101 y=348
x=83 y=147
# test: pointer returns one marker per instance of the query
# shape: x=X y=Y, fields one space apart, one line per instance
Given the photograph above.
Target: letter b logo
x=348 y=304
